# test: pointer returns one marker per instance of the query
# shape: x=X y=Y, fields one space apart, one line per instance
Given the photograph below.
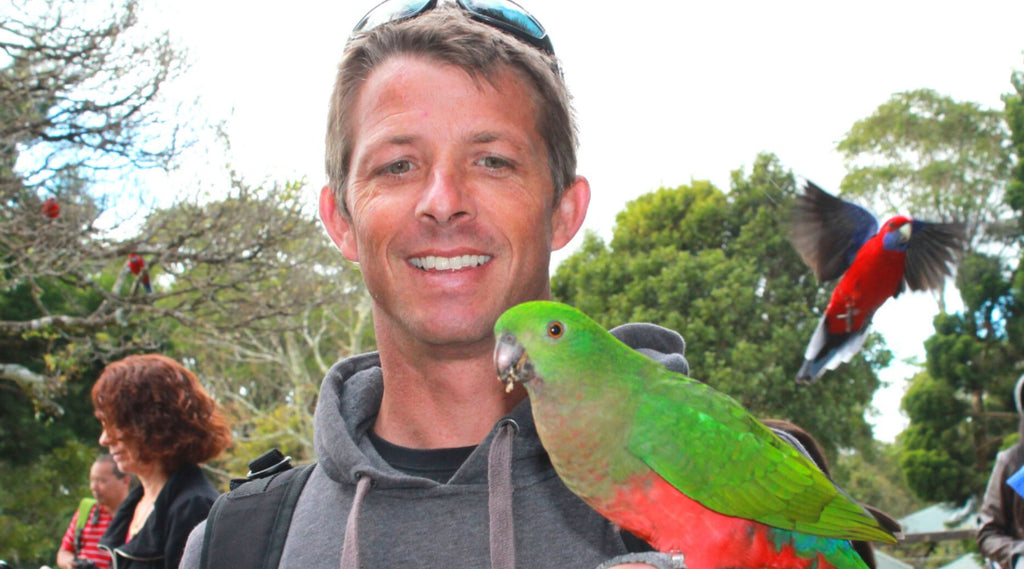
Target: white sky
x=666 y=92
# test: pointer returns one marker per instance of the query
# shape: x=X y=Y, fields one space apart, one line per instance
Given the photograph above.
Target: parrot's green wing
x=714 y=451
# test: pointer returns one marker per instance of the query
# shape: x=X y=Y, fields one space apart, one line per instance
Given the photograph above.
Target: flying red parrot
x=136 y=265
x=839 y=239
x=51 y=208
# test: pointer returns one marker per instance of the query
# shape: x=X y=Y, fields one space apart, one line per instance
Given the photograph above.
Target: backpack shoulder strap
x=247 y=527
x=83 y=512
x=84 y=507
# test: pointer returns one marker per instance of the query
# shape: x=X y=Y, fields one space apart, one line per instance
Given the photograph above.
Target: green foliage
x=1014 y=109
x=984 y=289
x=936 y=474
x=933 y=403
x=936 y=157
x=957 y=410
x=939 y=158
x=719 y=269
x=34 y=518
x=876 y=479
x=264 y=327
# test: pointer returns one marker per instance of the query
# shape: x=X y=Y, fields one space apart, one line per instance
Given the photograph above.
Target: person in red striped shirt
x=110 y=487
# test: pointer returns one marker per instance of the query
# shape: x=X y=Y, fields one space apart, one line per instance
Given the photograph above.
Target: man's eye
x=397 y=168
x=494 y=162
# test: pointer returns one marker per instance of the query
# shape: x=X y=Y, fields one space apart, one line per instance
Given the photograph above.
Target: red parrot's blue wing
x=827 y=232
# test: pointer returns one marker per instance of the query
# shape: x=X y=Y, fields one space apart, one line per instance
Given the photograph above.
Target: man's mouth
x=435 y=263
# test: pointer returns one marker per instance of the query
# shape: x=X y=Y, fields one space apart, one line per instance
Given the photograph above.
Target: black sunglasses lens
x=509 y=13
x=391 y=11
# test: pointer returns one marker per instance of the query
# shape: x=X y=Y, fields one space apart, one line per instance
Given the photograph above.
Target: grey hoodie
x=487 y=515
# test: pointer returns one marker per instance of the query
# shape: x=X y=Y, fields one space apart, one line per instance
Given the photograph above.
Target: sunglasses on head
x=504 y=15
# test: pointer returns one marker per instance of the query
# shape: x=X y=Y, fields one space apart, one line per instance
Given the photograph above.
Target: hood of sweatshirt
x=511 y=455
x=349 y=401
x=350 y=398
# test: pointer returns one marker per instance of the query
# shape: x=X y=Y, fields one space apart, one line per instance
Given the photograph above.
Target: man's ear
x=569 y=213
x=338 y=225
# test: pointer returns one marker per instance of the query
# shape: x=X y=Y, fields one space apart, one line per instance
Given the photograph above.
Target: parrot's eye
x=555 y=329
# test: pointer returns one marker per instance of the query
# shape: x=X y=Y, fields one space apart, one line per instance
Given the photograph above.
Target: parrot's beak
x=905 y=230
x=511 y=361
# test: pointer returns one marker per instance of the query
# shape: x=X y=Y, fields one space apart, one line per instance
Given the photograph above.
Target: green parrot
x=670 y=459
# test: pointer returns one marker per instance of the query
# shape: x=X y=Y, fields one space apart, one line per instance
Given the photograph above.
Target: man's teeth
x=449 y=263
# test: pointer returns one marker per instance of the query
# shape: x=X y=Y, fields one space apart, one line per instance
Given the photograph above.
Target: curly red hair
x=159 y=409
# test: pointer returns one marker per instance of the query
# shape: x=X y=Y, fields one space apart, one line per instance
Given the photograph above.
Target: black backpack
x=247 y=527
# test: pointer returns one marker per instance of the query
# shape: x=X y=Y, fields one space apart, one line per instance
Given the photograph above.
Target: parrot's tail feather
x=853 y=520
x=887 y=522
x=828 y=351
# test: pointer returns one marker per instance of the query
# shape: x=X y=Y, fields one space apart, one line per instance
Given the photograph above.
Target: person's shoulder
x=1012 y=457
x=194 y=494
x=661 y=344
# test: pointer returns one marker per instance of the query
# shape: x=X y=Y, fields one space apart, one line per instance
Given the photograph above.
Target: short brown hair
x=158 y=407
x=447 y=35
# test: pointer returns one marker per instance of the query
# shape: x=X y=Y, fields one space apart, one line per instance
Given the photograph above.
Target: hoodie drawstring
x=499 y=504
x=350 y=548
x=499 y=497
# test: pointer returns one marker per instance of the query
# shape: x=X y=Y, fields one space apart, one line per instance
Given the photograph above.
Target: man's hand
x=65 y=559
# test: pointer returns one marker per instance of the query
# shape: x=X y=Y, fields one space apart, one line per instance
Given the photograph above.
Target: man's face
x=108 y=489
x=450 y=195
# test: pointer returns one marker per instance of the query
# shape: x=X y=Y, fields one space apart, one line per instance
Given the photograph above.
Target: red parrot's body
x=137 y=266
x=873 y=277
x=838 y=239
x=51 y=208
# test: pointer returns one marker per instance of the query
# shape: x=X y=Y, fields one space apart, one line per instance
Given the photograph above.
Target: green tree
x=878 y=481
x=719 y=269
x=1014 y=108
x=260 y=333
x=79 y=100
x=80 y=91
x=33 y=518
x=960 y=408
x=937 y=157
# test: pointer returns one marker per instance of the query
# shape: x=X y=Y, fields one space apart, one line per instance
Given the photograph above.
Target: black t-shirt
x=438 y=464
x=441 y=464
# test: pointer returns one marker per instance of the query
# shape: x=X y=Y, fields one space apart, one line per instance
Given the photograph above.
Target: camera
x=80 y=563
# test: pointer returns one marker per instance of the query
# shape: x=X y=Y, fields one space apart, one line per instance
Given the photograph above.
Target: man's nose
x=446 y=199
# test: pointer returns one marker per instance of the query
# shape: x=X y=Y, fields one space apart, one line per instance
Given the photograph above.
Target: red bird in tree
x=51 y=208
x=838 y=239
x=137 y=266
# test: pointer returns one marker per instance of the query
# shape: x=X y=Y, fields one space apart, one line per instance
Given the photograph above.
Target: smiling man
x=109 y=487
x=452 y=217
x=451 y=161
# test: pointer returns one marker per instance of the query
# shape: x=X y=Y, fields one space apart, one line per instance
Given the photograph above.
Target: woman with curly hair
x=159 y=424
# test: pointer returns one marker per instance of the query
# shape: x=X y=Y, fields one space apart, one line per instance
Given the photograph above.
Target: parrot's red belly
x=872 y=279
x=671 y=522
